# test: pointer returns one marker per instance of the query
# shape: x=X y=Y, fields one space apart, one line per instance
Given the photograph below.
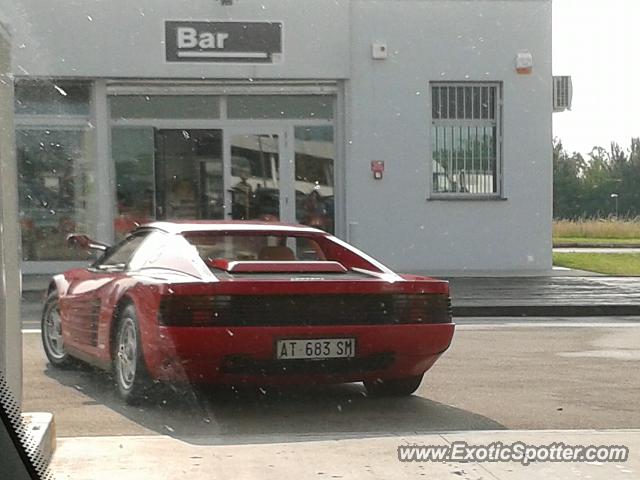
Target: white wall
x=387 y=111
x=389 y=119
x=124 y=38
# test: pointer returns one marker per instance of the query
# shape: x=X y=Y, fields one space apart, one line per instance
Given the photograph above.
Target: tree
x=566 y=182
x=584 y=188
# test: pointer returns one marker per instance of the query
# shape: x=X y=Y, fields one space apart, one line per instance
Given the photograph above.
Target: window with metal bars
x=465 y=131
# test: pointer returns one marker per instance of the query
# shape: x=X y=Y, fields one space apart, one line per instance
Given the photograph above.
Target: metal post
x=104 y=167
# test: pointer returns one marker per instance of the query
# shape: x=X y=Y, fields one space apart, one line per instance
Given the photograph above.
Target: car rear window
x=255 y=247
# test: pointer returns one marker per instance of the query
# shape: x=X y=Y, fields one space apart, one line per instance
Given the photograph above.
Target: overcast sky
x=597 y=42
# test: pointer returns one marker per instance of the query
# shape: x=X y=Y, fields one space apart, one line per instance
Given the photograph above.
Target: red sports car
x=245 y=303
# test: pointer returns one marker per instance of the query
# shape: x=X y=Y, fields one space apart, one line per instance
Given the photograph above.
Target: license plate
x=316 y=348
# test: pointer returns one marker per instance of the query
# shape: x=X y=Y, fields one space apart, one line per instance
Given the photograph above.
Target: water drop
x=60 y=90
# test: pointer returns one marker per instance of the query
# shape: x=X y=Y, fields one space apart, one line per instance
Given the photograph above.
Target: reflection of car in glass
x=245 y=303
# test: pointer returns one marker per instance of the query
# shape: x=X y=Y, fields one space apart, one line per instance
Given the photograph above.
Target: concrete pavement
x=495 y=377
x=573 y=296
x=164 y=457
x=500 y=373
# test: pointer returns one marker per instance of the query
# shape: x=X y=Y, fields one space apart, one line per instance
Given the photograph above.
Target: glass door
x=255 y=177
x=314 y=157
x=189 y=174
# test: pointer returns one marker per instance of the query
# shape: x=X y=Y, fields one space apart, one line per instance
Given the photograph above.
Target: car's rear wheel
x=397 y=387
x=128 y=364
x=51 y=331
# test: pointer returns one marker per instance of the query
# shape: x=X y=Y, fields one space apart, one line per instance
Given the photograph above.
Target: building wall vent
x=562 y=93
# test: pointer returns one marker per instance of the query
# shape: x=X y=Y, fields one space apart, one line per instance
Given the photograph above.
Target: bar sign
x=242 y=42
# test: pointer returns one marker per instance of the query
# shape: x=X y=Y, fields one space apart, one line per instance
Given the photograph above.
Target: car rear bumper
x=246 y=355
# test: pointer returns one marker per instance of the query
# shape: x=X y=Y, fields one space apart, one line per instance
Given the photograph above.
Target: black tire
x=51 y=333
x=130 y=373
x=397 y=387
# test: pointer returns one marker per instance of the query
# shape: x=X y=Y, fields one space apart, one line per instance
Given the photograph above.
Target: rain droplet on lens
x=60 y=90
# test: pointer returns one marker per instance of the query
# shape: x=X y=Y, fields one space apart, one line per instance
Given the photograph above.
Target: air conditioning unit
x=562 y=93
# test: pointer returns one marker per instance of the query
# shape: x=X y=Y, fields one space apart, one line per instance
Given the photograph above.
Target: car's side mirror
x=84 y=242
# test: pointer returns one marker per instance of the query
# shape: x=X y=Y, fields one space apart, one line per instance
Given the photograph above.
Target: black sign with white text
x=254 y=42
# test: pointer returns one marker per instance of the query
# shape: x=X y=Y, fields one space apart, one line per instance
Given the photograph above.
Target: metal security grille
x=465 y=138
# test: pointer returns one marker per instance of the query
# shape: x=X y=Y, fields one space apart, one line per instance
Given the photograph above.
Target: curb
x=42 y=427
x=37 y=296
x=547 y=311
x=595 y=245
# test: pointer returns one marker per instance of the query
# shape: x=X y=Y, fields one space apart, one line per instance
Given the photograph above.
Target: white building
x=127 y=111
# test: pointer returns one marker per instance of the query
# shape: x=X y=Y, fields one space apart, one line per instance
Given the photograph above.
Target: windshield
x=255 y=247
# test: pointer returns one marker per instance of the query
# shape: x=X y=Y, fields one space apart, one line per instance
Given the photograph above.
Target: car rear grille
x=301 y=310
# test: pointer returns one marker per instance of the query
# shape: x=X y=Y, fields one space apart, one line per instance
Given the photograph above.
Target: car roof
x=182 y=226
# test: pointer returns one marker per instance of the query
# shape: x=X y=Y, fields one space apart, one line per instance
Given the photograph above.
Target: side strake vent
x=294 y=310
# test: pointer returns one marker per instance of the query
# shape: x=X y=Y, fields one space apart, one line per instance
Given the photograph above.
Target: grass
x=608 y=228
x=623 y=264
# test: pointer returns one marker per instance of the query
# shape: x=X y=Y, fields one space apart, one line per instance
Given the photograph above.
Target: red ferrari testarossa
x=245 y=303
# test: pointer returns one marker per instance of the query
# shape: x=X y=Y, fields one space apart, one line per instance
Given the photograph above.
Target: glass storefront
x=175 y=154
x=257 y=107
x=235 y=165
x=255 y=172
x=189 y=175
x=314 y=173
x=132 y=150
x=55 y=168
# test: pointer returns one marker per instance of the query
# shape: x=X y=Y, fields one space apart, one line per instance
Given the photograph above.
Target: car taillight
x=194 y=310
x=424 y=308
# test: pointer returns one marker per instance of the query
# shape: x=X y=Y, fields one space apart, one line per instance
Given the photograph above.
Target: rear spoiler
x=251 y=266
